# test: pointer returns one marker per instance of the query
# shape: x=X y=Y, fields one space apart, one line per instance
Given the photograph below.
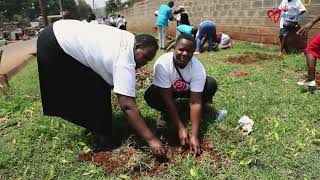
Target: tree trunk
x=44 y=12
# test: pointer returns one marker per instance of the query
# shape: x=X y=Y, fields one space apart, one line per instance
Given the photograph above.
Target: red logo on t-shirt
x=179 y=85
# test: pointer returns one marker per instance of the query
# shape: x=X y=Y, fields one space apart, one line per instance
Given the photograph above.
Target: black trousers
x=71 y=90
x=153 y=98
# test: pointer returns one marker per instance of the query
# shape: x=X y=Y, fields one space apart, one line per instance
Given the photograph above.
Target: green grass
x=33 y=146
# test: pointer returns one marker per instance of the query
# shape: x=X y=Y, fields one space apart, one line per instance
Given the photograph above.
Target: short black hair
x=171 y=3
x=187 y=37
x=146 y=40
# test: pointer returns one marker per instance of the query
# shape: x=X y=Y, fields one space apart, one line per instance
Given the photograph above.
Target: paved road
x=15 y=55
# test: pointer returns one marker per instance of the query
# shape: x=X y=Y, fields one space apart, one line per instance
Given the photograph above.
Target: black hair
x=119 y=15
x=91 y=17
x=184 y=19
x=146 y=40
x=186 y=37
x=171 y=3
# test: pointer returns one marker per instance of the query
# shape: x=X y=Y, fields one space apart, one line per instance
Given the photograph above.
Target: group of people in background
x=205 y=32
x=119 y=22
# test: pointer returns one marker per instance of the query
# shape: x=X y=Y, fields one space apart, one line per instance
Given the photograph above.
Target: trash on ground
x=245 y=124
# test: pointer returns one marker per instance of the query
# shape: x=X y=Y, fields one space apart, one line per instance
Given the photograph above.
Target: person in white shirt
x=290 y=12
x=120 y=23
x=112 y=21
x=77 y=72
x=179 y=74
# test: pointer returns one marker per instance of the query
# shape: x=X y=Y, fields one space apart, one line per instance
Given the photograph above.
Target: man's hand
x=305 y=29
x=183 y=136
x=194 y=145
x=157 y=147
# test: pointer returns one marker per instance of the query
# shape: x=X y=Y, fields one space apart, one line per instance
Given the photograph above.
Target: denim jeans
x=207 y=28
x=162 y=31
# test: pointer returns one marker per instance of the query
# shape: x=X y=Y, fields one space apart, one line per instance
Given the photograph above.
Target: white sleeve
x=300 y=6
x=198 y=79
x=161 y=77
x=124 y=76
x=283 y=2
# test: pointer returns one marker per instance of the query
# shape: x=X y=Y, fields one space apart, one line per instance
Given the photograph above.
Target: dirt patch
x=134 y=162
x=2 y=119
x=250 y=58
x=144 y=77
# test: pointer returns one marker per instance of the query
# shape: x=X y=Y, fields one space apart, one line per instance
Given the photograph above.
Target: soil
x=130 y=160
x=236 y=74
x=250 y=58
x=144 y=75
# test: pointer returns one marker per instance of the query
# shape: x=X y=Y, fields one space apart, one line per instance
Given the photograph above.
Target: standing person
x=179 y=74
x=207 y=29
x=182 y=16
x=312 y=53
x=112 y=21
x=77 y=75
x=125 y=22
x=290 y=12
x=120 y=23
x=164 y=15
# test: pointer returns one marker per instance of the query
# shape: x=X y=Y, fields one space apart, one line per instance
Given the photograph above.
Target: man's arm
x=308 y=26
x=166 y=94
x=130 y=108
x=195 y=117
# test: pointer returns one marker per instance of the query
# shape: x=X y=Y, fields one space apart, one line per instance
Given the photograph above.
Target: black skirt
x=71 y=90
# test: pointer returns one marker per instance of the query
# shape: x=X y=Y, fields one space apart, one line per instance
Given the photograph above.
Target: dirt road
x=15 y=55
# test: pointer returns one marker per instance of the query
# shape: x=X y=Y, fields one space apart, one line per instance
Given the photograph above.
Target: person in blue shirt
x=165 y=14
x=183 y=29
x=207 y=28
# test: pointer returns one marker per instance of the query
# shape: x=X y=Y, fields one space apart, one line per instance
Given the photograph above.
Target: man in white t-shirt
x=79 y=63
x=290 y=12
x=179 y=74
x=120 y=23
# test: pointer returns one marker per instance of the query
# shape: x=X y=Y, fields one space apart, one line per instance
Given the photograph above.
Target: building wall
x=241 y=19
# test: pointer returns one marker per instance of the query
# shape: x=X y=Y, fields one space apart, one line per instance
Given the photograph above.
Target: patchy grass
x=33 y=146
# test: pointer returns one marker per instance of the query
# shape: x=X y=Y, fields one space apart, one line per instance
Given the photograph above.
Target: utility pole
x=61 y=9
x=43 y=12
x=93 y=7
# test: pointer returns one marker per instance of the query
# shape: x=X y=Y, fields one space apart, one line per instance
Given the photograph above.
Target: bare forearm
x=316 y=20
x=195 y=116
x=139 y=125
x=129 y=107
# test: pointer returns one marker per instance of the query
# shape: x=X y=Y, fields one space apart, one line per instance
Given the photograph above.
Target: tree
x=113 y=6
x=84 y=9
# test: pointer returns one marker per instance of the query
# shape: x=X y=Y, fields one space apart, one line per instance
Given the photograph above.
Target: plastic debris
x=246 y=124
